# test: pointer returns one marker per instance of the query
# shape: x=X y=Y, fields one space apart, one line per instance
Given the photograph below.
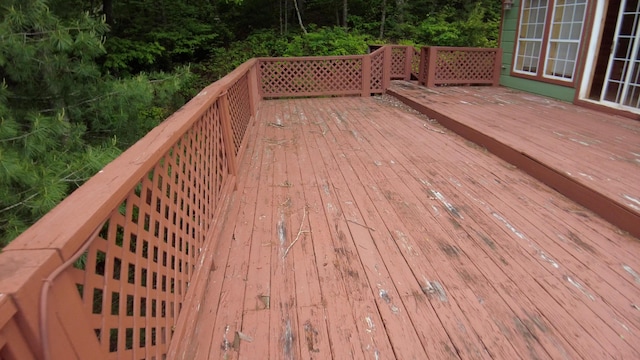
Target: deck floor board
x=361 y=230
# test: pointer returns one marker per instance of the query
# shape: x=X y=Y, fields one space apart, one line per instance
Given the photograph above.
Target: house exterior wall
x=507 y=43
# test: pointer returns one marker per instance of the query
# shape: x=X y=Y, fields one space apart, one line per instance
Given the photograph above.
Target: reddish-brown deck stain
x=356 y=232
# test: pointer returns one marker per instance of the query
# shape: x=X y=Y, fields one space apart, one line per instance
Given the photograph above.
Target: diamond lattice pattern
x=377 y=70
x=303 y=77
x=239 y=110
x=134 y=276
x=454 y=65
x=398 y=55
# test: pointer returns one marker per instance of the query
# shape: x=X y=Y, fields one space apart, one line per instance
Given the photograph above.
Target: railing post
x=386 y=68
x=408 y=59
x=422 y=69
x=254 y=92
x=366 y=75
x=432 y=63
x=497 y=67
x=227 y=133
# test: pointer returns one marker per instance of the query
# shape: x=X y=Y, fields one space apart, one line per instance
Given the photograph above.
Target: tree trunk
x=383 y=18
x=400 y=7
x=295 y=3
x=286 y=16
x=345 y=10
x=281 y=27
x=107 y=8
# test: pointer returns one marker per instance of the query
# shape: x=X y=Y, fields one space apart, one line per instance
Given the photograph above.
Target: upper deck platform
x=589 y=156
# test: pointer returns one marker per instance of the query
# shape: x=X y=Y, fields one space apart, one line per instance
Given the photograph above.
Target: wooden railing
x=106 y=274
x=325 y=76
x=403 y=62
x=126 y=245
x=443 y=66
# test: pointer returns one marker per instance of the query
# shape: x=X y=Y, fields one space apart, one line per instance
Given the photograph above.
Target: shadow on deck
x=361 y=229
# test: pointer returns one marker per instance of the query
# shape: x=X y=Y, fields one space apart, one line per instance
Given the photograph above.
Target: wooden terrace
x=343 y=227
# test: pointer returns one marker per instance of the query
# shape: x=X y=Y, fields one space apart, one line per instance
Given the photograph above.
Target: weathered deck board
x=359 y=232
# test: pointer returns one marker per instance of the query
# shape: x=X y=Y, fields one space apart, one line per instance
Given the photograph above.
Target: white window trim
x=546 y=43
x=563 y=41
x=520 y=40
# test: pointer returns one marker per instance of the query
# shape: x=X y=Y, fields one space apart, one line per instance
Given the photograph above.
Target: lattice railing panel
x=398 y=60
x=134 y=277
x=377 y=71
x=307 y=76
x=471 y=66
x=240 y=110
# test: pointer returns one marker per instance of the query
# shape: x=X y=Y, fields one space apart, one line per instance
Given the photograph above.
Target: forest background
x=82 y=80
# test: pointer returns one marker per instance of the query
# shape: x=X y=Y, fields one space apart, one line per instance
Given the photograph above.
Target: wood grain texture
x=363 y=230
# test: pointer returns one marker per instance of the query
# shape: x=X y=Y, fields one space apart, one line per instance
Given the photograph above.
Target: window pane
x=532 y=20
x=564 y=39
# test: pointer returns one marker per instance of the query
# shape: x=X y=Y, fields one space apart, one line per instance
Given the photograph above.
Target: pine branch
x=22 y=136
x=19 y=203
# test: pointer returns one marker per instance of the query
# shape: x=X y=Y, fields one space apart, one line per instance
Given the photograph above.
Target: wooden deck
x=361 y=230
x=591 y=157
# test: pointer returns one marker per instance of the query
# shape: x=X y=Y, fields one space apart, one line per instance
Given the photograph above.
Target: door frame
x=586 y=82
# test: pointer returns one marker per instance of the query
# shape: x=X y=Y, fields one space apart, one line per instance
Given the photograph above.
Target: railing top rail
x=83 y=210
x=311 y=58
x=377 y=51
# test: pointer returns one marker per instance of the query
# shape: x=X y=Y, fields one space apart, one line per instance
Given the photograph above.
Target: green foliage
x=327 y=41
x=125 y=54
x=61 y=119
x=129 y=108
x=473 y=31
x=161 y=36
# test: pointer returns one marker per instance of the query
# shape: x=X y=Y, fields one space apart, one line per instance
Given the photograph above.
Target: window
x=532 y=19
x=557 y=46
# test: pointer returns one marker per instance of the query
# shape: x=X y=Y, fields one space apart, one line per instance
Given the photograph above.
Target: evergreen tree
x=61 y=119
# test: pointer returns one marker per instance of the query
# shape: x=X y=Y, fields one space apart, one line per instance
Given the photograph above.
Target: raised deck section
x=589 y=156
x=360 y=230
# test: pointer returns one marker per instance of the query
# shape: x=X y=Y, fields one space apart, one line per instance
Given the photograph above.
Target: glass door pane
x=622 y=86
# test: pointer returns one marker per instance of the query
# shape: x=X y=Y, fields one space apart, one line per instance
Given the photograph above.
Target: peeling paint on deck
x=635 y=203
x=281 y=229
x=633 y=273
x=287 y=341
x=371 y=327
x=434 y=289
x=406 y=243
x=311 y=336
x=384 y=295
x=537 y=250
x=579 y=287
x=508 y=225
x=450 y=208
x=580 y=142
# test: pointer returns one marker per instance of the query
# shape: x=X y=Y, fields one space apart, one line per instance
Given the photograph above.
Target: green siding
x=538 y=87
x=507 y=44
